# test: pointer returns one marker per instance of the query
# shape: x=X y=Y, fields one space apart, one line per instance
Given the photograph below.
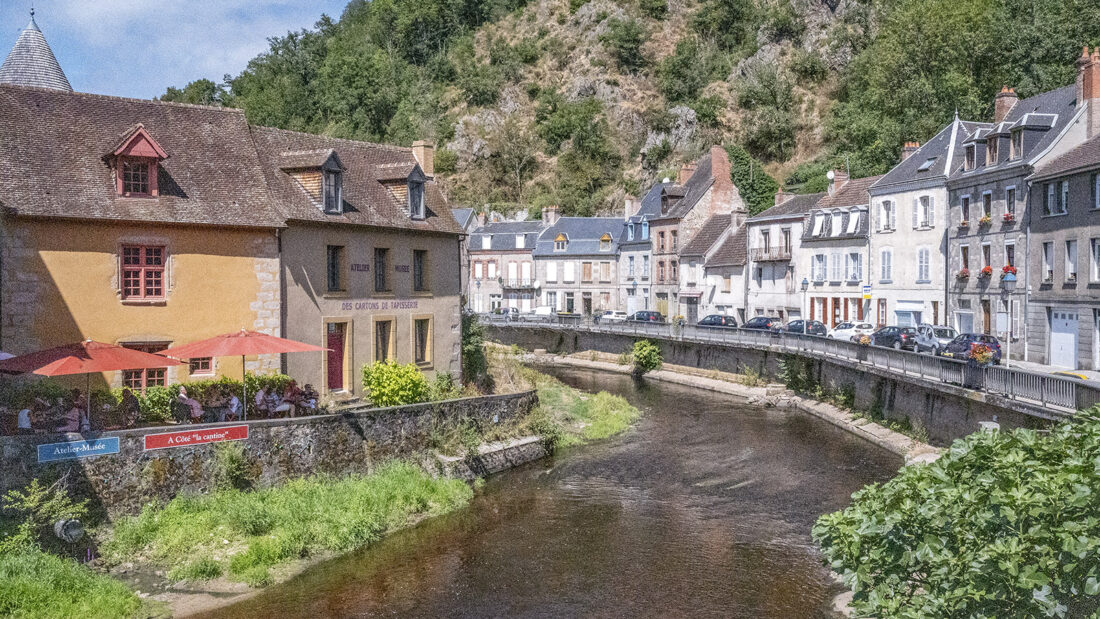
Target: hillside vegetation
x=578 y=102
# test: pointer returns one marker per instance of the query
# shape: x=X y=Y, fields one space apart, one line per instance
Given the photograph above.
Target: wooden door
x=335 y=361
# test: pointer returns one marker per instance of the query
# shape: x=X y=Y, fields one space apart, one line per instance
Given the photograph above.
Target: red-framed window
x=201 y=365
x=142 y=272
x=137 y=177
x=138 y=380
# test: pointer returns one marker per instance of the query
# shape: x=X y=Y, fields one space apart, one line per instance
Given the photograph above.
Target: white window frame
x=924 y=265
x=1071 y=260
x=835 y=274
x=551 y=271
x=886 y=265
x=1063 y=198
x=1048 y=261
x=1010 y=207
x=521 y=241
x=487 y=241
x=1094 y=245
x=820 y=267
x=853 y=222
x=986 y=262
x=819 y=219
x=1012 y=244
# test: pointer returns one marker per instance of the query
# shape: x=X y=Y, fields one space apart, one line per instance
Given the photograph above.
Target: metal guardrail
x=1044 y=390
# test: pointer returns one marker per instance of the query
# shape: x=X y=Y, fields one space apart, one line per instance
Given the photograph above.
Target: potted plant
x=963 y=274
x=1006 y=269
x=985 y=220
x=980 y=354
x=986 y=272
x=964 y=224
x=1009 y=217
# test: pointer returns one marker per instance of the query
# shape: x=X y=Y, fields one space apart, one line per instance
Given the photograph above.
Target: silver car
x=934 y=338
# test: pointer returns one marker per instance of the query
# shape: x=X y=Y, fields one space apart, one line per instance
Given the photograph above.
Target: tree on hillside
x=513 y=145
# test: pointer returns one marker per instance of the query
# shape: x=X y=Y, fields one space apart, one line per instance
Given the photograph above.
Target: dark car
x=763 y=323
x=809 y=327
x=717 y=320
x=959 y=348
x=898 y=338
x=646 y=316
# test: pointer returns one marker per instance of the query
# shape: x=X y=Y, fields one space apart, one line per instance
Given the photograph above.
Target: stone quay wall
x=946 y=412
x=351 y=441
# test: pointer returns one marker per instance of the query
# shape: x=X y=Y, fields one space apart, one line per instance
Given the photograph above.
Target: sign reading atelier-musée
x=72 y=450
x=195 y=437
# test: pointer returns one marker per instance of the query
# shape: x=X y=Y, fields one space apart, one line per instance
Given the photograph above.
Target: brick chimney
x=840 y=178
x=1003 y=102
x=782 y=196
x=424 y=152
x=727 y=199
x=631 y=206
x=1088 y=88
x=686 y=171
x=909 y=149
x=550 y=215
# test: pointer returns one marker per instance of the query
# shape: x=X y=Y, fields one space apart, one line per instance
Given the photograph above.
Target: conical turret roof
x=31 y=62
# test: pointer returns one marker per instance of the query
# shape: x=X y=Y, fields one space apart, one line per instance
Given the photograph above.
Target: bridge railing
x=1053 y=392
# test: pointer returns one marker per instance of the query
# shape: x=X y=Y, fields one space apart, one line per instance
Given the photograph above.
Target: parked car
x=763 y=323
x=614 y=316
x=850 y=331
x=959 y=348
x=898 y=338
x=934 y=338
x=718 y=320
x=508 y=313
x=646 y=316
x=809 y=327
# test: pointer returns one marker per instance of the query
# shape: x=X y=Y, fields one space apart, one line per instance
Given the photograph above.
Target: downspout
x=283 y=369
x=1027 y=271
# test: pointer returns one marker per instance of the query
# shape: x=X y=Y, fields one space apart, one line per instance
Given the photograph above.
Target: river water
x=703 y=510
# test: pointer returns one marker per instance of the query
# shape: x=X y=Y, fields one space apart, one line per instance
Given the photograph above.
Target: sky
x=138 y=48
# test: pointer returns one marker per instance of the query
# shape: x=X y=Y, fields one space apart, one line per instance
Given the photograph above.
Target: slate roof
x=712 y=230
x=638 y=242
x=503 y=235
x=31 y=62
x=852 y=193
x=835 y=222
x=1084 y=156
x=651 y=201
x=733 y=252
x=464 y=216
x=798 y=205
x=367 y=201
x=940 y=148
x=584 y=236
x=694 y=189
x=52 y=147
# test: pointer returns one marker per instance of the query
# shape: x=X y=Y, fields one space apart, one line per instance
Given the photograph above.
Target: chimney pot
x=1003 y=103
x=781 y=196
x=909 y=149
x=550 y=215
x=424 y=152
x=686 y=171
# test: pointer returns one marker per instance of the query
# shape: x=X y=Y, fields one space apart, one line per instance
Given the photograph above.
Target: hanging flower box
x=963 y=274
x=1008 y=268
x=986 y=272
x=985 y=220
x=964 y=224
x=1009 y=218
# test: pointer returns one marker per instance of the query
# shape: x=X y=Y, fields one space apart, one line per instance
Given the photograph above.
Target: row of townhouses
x=989 y=227
x=152 y=224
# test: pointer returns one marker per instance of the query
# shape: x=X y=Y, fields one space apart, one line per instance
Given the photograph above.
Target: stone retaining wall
x=277 y=450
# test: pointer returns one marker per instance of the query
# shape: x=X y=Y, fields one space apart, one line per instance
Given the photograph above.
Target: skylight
x=927 y=165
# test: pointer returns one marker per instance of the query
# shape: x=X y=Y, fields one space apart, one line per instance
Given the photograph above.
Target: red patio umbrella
x=240 y=343
x=87 y=357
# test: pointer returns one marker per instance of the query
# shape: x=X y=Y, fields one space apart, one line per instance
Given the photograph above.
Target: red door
x=336 y=355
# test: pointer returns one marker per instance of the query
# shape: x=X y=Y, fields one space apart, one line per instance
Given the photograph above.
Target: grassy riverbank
x=36 y=584
x=243 y=535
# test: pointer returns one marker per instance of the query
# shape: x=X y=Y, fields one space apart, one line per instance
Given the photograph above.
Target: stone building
x=502 y=270
x=636 y=250
x=576 y=264
x=698 y=291
x=774 y=240
x=724 y=272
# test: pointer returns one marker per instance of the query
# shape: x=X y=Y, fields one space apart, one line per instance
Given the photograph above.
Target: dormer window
x=968 y=164
x=630 y=232
x=333 y=190
x=135 y=174
x=605 y=242
x=560 y=242
x=991 y=151
x=136 y=160
x=645 y=230
x=416 y=199
x=1017 y=147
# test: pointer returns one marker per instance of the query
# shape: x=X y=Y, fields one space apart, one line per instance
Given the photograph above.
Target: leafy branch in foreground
x=1003 y=525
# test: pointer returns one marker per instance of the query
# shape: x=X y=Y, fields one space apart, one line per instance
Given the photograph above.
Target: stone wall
x=277 y=450
x=946 y=412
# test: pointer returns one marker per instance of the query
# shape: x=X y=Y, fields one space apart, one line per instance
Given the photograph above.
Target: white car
x=614 y=317
x=847 y=330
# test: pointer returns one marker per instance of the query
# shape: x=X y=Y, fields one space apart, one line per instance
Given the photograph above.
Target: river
x=703 y=510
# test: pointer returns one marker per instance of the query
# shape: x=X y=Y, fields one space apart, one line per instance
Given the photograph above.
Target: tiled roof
x=695 y=187
x=502 y=235
x=800 y=204
x=733 y=252
x=296 y=160
x=712 y=230
x=52 y=146
x=1084 y=156
x=31 y=62
x=584 y=235
x=366 y=200
x=852 y=193
x=651 y=201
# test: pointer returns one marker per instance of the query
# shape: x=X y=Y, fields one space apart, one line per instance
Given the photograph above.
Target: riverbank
x=757 y=391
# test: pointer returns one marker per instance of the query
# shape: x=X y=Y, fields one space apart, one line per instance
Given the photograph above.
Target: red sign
x=195 y=437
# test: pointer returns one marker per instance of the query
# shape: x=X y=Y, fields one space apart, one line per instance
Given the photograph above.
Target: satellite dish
x=667 y=180
x=829 y=175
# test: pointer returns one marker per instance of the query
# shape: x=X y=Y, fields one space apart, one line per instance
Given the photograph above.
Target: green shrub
x=35 y=584
x=647 y=357
x=808 y=66
x=36 y=508
x=687 y=70
x=388 y=383
x=623 y=40
x=231 y=467
x=200 y=569
x=1004 y=524
x=657 y=9
x=475 y=367
x=446 y=161
x=757 y=188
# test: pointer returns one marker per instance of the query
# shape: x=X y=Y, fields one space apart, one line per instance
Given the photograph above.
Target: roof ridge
x=403 y=149
x=93 y=95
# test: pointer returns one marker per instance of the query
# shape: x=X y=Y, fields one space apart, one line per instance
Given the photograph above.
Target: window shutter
x=916 y=209
x=931 y=211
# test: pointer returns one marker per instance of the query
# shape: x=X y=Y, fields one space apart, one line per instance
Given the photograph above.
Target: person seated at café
x=193 y=405
x=24 y=421
x=233 y=408
x=278 y=405
x=217 y=402
x=74 y=418
x=129 y=408
x=262 y=407
x=309 y=397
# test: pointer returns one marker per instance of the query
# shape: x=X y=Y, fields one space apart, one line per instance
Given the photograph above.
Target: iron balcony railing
x=770 y=254
x=1052 y=392
x=518 y=282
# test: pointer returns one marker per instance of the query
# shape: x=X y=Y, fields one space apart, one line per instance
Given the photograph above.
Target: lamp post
x=805 y=308
x=1008 y=284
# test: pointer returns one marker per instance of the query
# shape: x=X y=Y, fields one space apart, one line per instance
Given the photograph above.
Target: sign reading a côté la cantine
x=187 y=438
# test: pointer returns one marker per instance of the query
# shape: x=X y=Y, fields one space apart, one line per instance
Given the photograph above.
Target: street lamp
x=805 y=308
x=1008 y=284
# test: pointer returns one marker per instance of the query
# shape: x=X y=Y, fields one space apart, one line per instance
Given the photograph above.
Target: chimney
x=840 y=178
x=909 y=149
x=631 y=206
x=686 y=171
x=1003 y=102
x=480 y=219
x=550 y=215
x=1088 y=88
x=424 y=151
x=782 y=196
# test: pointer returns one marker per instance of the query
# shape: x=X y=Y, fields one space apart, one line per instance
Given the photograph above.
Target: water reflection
x=703 y=510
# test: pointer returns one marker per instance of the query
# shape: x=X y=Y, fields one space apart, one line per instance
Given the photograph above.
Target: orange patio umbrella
x=240 y=343
x=87 y=357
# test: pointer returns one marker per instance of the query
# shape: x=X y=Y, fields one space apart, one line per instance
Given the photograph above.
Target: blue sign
x=77 y=449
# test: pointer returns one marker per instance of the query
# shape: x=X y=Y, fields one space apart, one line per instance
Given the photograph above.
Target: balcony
x=770 y=254
x=517 y=283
